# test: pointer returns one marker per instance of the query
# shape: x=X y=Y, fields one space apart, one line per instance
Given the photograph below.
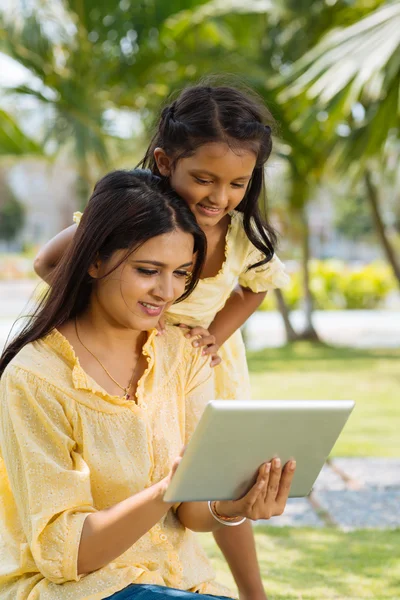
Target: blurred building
x=47 y=190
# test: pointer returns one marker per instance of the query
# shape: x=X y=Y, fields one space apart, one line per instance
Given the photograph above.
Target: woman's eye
x=146 y=271
x=238 y=185
x=202 y=181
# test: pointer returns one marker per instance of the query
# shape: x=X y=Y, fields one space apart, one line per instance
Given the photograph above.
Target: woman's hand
x=204 y=339
x=267 y=498
x=164 y=483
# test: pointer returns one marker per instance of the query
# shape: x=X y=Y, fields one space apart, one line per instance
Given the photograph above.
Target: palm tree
x=13 y=141
x=354 y=75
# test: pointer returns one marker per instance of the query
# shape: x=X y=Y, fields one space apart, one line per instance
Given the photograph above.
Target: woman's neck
x=104 y=334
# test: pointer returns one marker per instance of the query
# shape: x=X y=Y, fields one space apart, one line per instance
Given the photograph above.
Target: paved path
x=357 y=328
x=350 y=493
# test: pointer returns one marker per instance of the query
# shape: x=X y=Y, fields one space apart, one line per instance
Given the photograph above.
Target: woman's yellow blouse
x=68 y=449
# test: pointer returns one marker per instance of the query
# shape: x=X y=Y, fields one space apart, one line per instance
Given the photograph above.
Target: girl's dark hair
x=126 y=209
x=203 y=114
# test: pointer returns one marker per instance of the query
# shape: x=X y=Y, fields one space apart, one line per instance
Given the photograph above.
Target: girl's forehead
x=219 y=155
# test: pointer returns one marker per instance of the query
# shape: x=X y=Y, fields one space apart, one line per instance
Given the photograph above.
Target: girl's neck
x=218 y=229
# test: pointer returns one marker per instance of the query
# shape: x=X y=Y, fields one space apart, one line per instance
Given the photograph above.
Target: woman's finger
x=285 y=483
x=177 y=460
x=273 y=483
x=257 y=491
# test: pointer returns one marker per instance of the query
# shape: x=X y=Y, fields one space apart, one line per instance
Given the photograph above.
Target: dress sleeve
x=49 y=479
x=268 y=277
x=200 y=388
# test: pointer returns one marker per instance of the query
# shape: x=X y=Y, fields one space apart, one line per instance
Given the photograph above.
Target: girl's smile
x=213 y=180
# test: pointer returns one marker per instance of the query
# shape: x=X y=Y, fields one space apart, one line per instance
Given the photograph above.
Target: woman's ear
x=94 y=269
x=164 y=162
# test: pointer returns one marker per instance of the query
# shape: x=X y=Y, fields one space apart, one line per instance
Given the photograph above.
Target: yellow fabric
x=210 y=295
x=68 y=449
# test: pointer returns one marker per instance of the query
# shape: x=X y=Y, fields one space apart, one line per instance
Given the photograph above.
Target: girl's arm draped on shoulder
x=241 y=304
x=248 y=295
x=50 y=255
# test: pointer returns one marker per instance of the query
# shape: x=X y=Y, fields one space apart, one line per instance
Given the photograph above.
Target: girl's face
x=140 y=290
x=213 y=181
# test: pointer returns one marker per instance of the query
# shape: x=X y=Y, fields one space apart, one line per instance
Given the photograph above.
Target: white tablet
x=233 y=438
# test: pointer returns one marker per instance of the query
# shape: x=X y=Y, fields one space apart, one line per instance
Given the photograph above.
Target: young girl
x=94 y=410
x=212 y=144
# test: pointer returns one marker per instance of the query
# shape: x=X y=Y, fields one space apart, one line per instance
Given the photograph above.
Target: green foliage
x=338 y=286
x=13 y=141
x=12 y=217
x=353 y=217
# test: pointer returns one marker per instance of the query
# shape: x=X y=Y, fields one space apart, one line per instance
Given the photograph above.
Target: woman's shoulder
x=176 y=352
x=38 y=361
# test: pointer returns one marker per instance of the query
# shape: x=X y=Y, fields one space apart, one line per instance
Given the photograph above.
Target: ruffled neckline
x=83 y=380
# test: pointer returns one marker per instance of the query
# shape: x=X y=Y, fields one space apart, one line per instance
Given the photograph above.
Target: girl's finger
x=215 y=360
x=197 y=331
x=210 y=349
x=208 y=340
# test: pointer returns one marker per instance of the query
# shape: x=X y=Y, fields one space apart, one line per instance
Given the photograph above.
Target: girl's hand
x=161 y=326
x=206 y=340
x=267 y=498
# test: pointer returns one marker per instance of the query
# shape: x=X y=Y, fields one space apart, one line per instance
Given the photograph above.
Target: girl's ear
x=164 y=162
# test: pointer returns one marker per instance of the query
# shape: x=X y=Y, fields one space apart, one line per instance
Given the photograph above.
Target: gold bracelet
x=230 y=521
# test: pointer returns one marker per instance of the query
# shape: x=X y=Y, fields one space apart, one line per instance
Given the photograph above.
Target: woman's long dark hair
x=203 y=114
x=126 y=209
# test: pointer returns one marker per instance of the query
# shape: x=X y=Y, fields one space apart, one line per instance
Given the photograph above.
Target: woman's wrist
x=224 y=509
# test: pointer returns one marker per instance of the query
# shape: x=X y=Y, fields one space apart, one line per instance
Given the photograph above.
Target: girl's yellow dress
x=232 y=375
x=209 y=297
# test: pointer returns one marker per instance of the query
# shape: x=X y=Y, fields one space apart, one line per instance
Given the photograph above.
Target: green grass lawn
x=318 y=372
x=303 y=564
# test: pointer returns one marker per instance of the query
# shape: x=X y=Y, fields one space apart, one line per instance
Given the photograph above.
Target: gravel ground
x=350 y=493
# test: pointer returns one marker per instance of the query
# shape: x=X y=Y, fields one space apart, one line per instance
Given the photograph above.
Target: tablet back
x=233 y=438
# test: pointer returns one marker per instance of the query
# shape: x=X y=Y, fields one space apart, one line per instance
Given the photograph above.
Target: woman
x=95 y=408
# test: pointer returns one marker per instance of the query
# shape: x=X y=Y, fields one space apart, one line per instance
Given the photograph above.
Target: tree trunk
x=309 y=332
x=291 y=335
x=372 y=194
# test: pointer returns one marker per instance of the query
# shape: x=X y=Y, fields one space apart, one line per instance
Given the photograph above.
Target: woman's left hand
x=206 y=340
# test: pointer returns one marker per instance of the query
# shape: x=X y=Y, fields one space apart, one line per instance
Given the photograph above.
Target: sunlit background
x=81 y=85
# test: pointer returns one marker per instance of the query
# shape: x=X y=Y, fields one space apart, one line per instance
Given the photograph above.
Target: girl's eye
x=238 y=185
x=143 y=271
x=202 y=181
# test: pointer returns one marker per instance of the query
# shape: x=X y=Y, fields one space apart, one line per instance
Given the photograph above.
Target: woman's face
x=213 y=181
x=140 y=290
